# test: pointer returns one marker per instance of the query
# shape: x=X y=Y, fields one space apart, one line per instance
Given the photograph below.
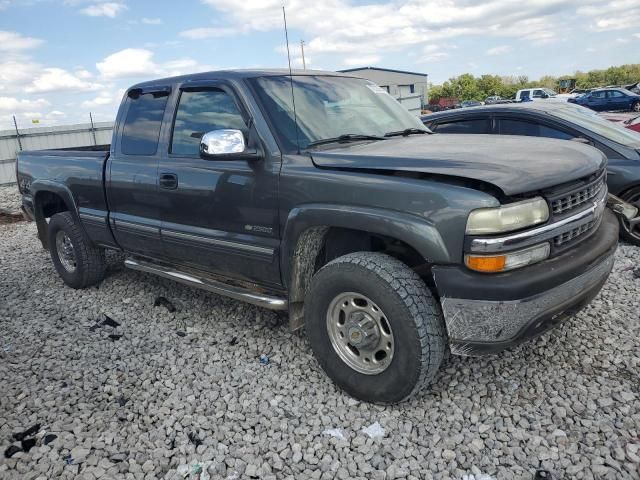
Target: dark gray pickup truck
x=317 y=193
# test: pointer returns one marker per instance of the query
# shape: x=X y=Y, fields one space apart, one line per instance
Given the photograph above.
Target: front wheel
x=635 y=107
x=76 y=259
x=631 y=233
x=374 y=327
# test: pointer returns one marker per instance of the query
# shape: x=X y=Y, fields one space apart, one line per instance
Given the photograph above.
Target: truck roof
x=236 y=74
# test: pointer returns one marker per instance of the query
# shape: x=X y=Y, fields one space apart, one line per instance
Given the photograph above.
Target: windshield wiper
x=406 y=132
x=347 y=137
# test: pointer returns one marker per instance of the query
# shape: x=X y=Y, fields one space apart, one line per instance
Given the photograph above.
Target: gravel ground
x=163 y=391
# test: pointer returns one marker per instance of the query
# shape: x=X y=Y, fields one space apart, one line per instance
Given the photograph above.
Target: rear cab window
x=141 y=130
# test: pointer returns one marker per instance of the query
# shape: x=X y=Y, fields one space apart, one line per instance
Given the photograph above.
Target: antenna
x=293 y=98
x=304 y=64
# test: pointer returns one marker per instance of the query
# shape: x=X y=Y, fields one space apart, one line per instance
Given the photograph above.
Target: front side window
x=142 y=124
x=200 y=112
x=479 y=125
x=328 y=107
x=537 y=93
x=601 y=94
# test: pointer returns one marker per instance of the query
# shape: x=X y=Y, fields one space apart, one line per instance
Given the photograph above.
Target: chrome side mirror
x=222 y=142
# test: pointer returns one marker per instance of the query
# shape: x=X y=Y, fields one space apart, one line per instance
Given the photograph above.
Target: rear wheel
x=374 y=327
x=635 y=107
x=76 y=259
x=631 y=233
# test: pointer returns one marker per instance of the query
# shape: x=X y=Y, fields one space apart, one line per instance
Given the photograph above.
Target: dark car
x=562 y=121
x=386 y=242
x=609 y=99
x=469 y=103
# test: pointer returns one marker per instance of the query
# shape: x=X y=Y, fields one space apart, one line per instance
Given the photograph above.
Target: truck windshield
x=330 y=108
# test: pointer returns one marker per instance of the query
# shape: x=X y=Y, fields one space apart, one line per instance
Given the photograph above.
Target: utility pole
x=93 y=130
x=304 y=64
x=15 y=124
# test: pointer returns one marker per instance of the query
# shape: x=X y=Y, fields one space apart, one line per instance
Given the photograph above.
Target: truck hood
x=513 y=164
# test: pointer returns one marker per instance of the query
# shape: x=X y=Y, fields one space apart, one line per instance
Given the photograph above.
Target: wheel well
x=318 y=246
x=47 y=204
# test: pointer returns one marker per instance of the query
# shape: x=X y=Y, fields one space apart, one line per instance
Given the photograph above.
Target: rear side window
x=142 y=125
x=615 y=94
x=200 y=112
x=600 y=94
x=531 y=129
x=478 y=125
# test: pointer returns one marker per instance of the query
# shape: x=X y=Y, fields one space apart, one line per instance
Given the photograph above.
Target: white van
x=535 y=94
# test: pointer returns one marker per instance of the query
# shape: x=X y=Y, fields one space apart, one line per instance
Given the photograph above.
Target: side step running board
x=232 y=291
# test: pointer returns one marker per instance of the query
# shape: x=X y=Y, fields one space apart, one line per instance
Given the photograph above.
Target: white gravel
x=136 y=407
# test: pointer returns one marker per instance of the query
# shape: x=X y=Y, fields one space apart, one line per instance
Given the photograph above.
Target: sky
x=61 y=59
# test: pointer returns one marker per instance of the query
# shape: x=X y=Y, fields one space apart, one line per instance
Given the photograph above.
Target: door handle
x=168 y=181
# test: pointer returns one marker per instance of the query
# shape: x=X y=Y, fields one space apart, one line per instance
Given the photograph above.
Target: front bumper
x=488 y=313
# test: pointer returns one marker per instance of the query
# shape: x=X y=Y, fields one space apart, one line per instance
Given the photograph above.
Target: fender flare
x=63 y=192
x=306 y=230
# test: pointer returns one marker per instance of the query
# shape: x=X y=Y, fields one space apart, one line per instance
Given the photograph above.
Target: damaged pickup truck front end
x=568 y=258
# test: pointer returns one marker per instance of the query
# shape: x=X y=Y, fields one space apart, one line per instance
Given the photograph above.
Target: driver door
x=220 y=215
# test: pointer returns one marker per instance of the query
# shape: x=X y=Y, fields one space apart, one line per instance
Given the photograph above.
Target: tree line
x=469 y=87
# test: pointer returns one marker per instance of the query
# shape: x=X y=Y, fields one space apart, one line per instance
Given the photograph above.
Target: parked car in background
x=493 y=99
x=469 y=103
x=609 y=99
x=575 y=93
x=626 y=120
x=634 y=87
x=562 y=121
x=535 y=94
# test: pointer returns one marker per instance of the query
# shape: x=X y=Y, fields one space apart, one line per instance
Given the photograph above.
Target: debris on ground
x=48 y=438
x=11 y=451
x=29 y=432
x=374 y=430
x=636 y=273
x=233 y=341
x=68 y=459
x=195 y=470
x=105 y=321
x=27 y=444
x=542 y=475
x=10 y=217
x=193 y=438
x=162 y=301
x=180 y=333
x=115 y=336
x=122 y=401
x=334 y=432
x=264 y=359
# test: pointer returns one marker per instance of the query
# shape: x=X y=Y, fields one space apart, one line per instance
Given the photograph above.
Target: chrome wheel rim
x=66 y=253
x=360 y=333
x=634 y=231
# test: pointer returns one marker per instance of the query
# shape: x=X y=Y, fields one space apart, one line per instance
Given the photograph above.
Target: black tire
x=630 y=235
x=635 y=107
x=412 y=312
x=90 y=263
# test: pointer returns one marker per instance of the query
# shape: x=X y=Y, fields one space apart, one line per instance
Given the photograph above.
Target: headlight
x=506 y=218
x=507 y=261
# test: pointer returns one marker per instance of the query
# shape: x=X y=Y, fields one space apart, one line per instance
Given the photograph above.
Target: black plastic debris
x=68 y=459
x=29 y=432
x=28 y=444
x=106 y=321
x=180 y=333
x=64 y=385
x=115 y=337
x=193 y=438
x=48 y=438
x=233 y=341
x=543 y=475
x=636 y=273
x=11 y=451
x=110 y=322
x=165 y=303
x=122 y=401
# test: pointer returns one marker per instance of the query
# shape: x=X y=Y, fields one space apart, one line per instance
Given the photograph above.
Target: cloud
x=612 y=15
x=501 y=50
x=138 y=62
x=362 y=61
x=58 y=79
x=152 y=21
x=105 y=98
x=12 y=41
x=105 y=9
x=11 y=105
x=209 y=32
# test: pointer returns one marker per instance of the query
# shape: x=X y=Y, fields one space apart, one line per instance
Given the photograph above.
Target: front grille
x=577 y=197
x=566 y=237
